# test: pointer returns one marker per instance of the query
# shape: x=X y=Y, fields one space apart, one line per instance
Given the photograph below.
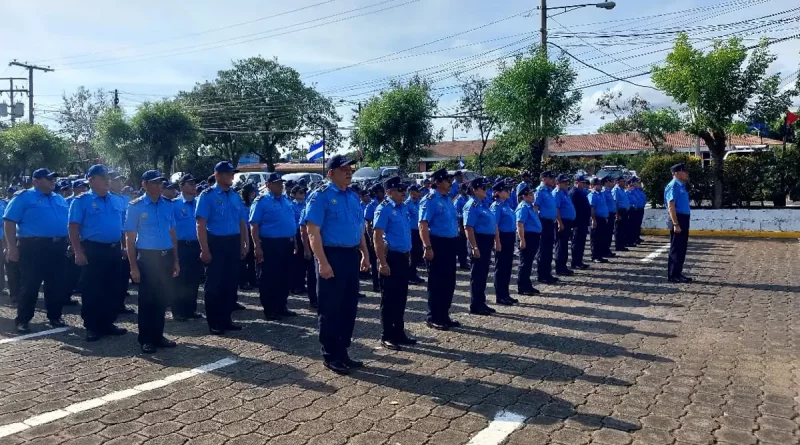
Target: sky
x=151 y=49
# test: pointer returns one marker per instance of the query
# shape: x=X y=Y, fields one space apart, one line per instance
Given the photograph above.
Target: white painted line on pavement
x=504 y=423
x=34 y=335
x=51 y=416
x=655 y=254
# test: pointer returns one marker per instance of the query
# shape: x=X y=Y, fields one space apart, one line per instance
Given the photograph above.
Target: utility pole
x=30 y=69
x=11 y=92
x=543 y=29
x=116 y=99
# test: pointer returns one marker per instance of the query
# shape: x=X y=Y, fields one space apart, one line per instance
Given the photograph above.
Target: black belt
x=41 y=239
x=154 y=252
x=189 y=242
x=97 y=243
x=280 y=238
x=343 y=248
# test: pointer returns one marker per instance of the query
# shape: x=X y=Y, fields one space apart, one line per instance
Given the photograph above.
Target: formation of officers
x=323 y=244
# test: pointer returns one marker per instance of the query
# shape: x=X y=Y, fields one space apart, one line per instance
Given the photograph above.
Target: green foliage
x=77 y=117
x=770 y=103
x=534 y=99
x=472 y=108
x=656 y=174
x=559 y=165
x=631 y=162
x=162 y=128
x=503 y=171
x=396 y=125
x=634 y=115
x=118 y=143
x=741 y=184
x=28 y=147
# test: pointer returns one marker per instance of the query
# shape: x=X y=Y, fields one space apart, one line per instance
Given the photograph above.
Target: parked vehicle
x=420 y=177
x=310 y=178
x=366 y=176
x=612 y=170
x=257 y=178
x=469 y=175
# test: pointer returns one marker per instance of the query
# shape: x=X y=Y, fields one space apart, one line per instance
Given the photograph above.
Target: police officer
x=120 y=292
x=184 y=303
x=546 y=208
x=393 y=246
x=309 y=267
x=622 y=230
x=599 y=215
x=459 y=202
x=298 y=284
x=273 y=230
x=529 y=230
x=336 y=233
x=35 y=224
x=455 y=187
x=95 y=224
x=504 y=255
x=248 y=275
x=79 y=186
x=3 y=205
x=376 y=197
x=565 y=218
x=153 y=255
x=170 y=190
x=480 y=225
x=608 y=184
x=12 y=267
x=412 y=209
x=579 y=195
x=438 y=229
x=64 y=188
x=638 y=202
x=224 y=241
x=526 y=182
x=72 y=272
x=676 y=199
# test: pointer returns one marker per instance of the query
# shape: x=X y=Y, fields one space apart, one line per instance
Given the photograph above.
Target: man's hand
x=243 y=251
x=205 y=256
x=522 y=244
x=560 y=226
x=676 y=228
x=364 y=263
x=594 y=224
x=619 y=217
x=476 y=253
x=497 y=246
x=12 y=254
x=325 y=271
x=383 y=268
x=259 y=253
x=176 y=269
x=136 y=277
x=428 y=255
x=80 y=259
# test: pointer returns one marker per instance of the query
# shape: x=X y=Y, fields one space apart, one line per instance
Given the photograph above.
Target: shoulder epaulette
x=19 y=192
x=137 y=200
x=475 y=203
x=431 y=194
x=208 y=190
x=325 y=187
x=258 y=197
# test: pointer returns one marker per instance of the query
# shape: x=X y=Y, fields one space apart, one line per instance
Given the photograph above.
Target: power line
x=598 y=69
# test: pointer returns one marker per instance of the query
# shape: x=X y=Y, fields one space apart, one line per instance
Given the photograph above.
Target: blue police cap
x=525 y=174
x=152 y=175
x=225 y=167
x=440 y=175
x=338 y=161
x=678 y=168
x=187 y=178
x=199 y=189
x=478 y=183
x=608 y=178
x=127 y=189
x=11 y=189
x=596 y=181
x=375 y=188
x=547 y=174
x=274 y=177
x=171 y=185
x=632 y=180
x=79 y=183
x=393 y=183
x=524 y=190
x=413 y=188
x=563 y=178
x=97 y=170
x=44 y=173
x=499 y=186
x=65 y=184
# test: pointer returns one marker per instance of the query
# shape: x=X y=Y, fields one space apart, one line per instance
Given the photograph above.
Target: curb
x=727 y=233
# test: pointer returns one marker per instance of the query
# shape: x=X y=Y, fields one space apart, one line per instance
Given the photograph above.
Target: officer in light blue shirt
x=376 y=194
x=455 y=187
x=273 y=230
x=438 y=228
x=298 y=284
x=153 y=256
x=35 y=226
x=676 y=199
x=622 y=229
x=459 y=202
x=529 y=230
x=335 y=227
x=309 y=268
x=546 y=207
x=565 y=219
x=392 y=246
x=187 y=284
x=638 y=202
x=599 y=209
x=481 y=227
x=412 y=206
x=526 y=182
x=608 y=184
x=507 y=232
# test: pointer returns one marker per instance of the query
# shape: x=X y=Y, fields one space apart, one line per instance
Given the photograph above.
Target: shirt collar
x=183 y=199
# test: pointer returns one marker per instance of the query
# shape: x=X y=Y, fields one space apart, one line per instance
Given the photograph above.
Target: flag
x=461 y=163
x=288 y=157
x=316 y=151
x=759 y=126
x=790 y=118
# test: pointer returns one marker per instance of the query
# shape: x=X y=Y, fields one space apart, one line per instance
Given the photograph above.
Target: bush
x=502 y=171
x=742 y=182
x=656 y=174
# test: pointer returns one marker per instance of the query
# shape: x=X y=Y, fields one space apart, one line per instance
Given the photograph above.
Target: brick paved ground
x=615 y=355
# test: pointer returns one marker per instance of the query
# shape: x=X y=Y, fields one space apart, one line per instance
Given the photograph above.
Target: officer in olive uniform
x=95 y=222
x=153 y=255
x=438 y=228
x=273 y=231
x=676 y=200
x=187 y=283
x=35 y=225
x=335 y=227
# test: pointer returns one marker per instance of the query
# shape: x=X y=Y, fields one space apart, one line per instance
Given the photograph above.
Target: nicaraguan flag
x=461 y=163
x=315 y=151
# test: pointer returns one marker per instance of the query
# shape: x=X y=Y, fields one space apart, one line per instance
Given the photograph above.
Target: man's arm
x=202 y=238
x=259 y=254
x=75 y=241
x=673 y=215
x=244 y=237
x=10 y=228
x=306 y=242
x=594 y=218
x=380 y=251
x=315 y=239
x=130 y=243
x=176 y=268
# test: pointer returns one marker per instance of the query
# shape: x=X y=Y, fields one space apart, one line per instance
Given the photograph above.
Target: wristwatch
x=427 y=248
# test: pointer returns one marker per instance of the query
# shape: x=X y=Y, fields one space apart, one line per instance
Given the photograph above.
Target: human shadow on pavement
x=612 y=300
x=595 y=312
x=597 y=327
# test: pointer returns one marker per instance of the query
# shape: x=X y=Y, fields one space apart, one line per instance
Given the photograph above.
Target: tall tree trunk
x=480 y=158
x=536 y=151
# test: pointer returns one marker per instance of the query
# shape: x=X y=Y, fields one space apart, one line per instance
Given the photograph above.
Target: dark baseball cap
x=338 y=161
x=79 y=183
x=225 y=167
x=187 y=178
x=11 y=189
x=478 y=183
x=375 y=188
x=44 y=173
x=524 y=190
x=678 y=168
x=152 y=175
x=563 y=178
x=273 y=178
x=547 y=174
x=581 y=178
x=440 y=175
x=596 y=181
x=97 y=170
x=393 y=183
x=499 y=186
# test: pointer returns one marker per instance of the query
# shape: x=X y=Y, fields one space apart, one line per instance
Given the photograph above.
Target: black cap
x=413 y=188
x=678 y=168
x=596 y=181
x=581 y=178
x=524 y=190
x=297 y=189
x=478 y=183
x=152 y=175
x=608 y=178
x=44 y=173
x=187 y=178
x=547 y=174
x=375 y=188
x=499 y=186
x=337 y=161
x=458 y=173
x=563 y=178
x=273 y=178
x=393 y=183
x=225 y=167
x=171 y=185
x=440 y=175
x=633 y=180
x=250 y=187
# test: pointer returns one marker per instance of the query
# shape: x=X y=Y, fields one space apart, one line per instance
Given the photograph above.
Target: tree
x=77 y=117
x=714 y=87
x=27 y=147
x=535 y=99
x=117 y=141
x=163 y=127
x=770 y=105
x=396 y=126
x=635 y=115
x=472 y=108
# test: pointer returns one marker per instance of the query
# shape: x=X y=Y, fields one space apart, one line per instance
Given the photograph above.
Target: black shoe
x=599 y=260
x=464 y=268
x=126 y=311
x=288 y=313
x=149 y=348
x=480 y=311
x=686 y=279
x=215 y=331
x=376 y=289
x=362 y=295
x=504 y=302
x=115 y=330
x=388 y=344
x=529 y=292
x=565 y=272
x=313 y=305
x=272 y=317
x=245 y=287
x=239 y=307
x=93 y=335
x=406 y=341
x=166 y=343
x=352 y=364
x=674 y=280
x=581 y=266
x=233 y=327
x=549 y=280
x=610 y=255
x=512 y=299
x=57 y=323
x=437 y=326
x=455 y=324
x=179 y=318
x=337 y=367
x=622 y=249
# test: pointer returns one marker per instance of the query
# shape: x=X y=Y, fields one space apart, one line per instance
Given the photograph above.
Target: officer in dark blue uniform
x=507 y=232
x=153 y=255
x=273 y=230
x=438 y=228
x=608 y=184
x=579 y=195
x=335 y=227
x=376 y=197
x=224 y=241
x=599 y=215
x=529 y=230
x=12 y=267
x=460 y=201
x=393 y=246
x=412 y=208
x=676 y=200
x=95 y=224
x=565 y=218
x=636 y=213
x=3 y=205
x=622 y=230
x=480 y=226
x=298 y=284
x=309 y=267
x=187 y=283
x=35 y=224
x=546 y=208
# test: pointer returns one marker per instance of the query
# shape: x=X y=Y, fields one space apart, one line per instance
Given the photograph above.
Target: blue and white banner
x=316 y=151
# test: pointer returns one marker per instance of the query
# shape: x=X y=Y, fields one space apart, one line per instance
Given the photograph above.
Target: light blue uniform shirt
x=526 y=214
x=38 y=215
x=633 y=200
x=675 y=191
x=439 y=212
x=455 y=189
x=185 y=222
x=392 y=218
x=338 y=214
x=642 y=197
x=298 y=207
x=459 y=202
x=100 y=217
x=274 y=216
x=598 y=201
x=152 y=222
x=223 y=211
x=3 y=205
x=620 y=197
x=564 y=204
x=610 y=204
x=480 y=217
x=545 y=201
x=412 y=210
x=504 y=215
x=512 y=199
x=369 y=211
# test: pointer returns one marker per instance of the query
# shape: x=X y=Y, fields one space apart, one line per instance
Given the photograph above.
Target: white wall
x=758 y=220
